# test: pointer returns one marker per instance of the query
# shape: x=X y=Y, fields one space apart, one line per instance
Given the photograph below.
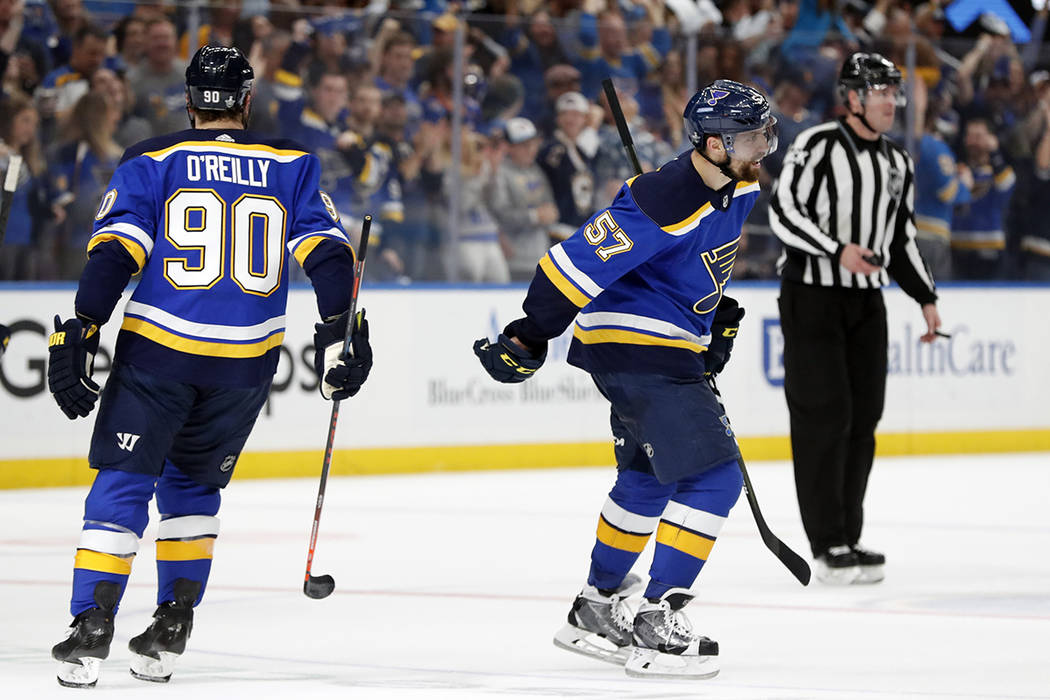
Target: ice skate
x=872 y=565
x=665 y=645
x=87 y=643
x=600 y=625
x=837 y=566
x=153 y=653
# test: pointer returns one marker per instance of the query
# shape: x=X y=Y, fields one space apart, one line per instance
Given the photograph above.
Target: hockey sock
x=186 y=533
x=689 y=526
x=115 y=514
x=628 y=518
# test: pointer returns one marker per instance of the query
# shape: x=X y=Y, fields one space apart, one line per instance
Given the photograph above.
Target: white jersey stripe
x=109 y=542
x=640 y=323
x=188 y=526
x=692 y=519
x=205 y=331
x=131 y=231
x=581 y=279
x=627 y=521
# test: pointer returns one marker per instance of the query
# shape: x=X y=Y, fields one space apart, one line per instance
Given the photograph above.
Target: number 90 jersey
x=210 y=218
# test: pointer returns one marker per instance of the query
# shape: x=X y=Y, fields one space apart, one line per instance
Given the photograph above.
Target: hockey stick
x=323 y=585
x=14 y=166
x=794 y=563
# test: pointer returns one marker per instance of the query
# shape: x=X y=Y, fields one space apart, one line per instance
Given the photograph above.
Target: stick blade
x=318 y=587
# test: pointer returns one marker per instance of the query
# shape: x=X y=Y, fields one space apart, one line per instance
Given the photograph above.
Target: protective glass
x=753 y=145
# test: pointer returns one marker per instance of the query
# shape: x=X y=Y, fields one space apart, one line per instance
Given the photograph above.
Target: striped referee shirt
x=837 y=188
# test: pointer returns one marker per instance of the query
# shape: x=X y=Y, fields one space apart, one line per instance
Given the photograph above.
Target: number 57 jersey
x=210 y=218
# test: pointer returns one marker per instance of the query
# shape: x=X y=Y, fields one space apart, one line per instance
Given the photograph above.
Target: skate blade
x=580 y=641
x=871 y=574
x=79 y=675
x=650 y=663
x=146 y=668
x=843 y=576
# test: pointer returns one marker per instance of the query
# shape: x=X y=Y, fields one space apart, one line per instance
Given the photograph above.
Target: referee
x=843 y=208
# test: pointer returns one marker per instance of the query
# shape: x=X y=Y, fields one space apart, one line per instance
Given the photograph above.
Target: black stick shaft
x=794 y=563
x=359 y=268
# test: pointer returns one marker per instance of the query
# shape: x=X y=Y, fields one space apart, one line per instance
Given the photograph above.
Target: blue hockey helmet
x=218 y=78
x=729 y=109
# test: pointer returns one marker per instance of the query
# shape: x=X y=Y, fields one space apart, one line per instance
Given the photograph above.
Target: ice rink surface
x=452 y=585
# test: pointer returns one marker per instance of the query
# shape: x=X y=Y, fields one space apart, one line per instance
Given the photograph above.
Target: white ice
x=451 y=586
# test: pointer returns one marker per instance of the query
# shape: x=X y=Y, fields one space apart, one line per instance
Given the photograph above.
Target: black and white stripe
x=837 y=189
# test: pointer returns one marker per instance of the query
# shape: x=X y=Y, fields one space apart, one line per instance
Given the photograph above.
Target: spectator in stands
x=534 y=48
x=436 y=92
x=815 y=19
x=558 y=80
x=70 y=18
x=790 y=98
x=395 y=66
x=611 y=166
x=18 y=47
x=19 y=255
x=63 y=86
x=130 y=37
x=80 y=169
x=477 y=255
x=269 y=73
x=523 y=202
x=978 y=239
x=130 y=128
x=1030 y=221
x=159 y=82
x=568 y=159
x=605 y=52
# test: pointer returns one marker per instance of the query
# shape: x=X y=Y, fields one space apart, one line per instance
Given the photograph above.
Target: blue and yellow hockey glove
x=505 y=361
x=342 y=377
x=72 y=347
x=5 y=338
x=723 y=332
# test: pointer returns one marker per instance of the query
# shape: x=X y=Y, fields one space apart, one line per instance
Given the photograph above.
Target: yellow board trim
x=684 y=541
x=74 y=471
x=185 y=550
x=99 y=561
x=617 y=335
x=201 y=347
x=611 y=537
x=562 y=282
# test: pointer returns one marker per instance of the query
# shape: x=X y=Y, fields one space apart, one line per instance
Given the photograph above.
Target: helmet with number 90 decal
x=218 y=78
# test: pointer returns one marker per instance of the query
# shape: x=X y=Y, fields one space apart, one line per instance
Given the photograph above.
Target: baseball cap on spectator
x=520 y=130
x=561 y=75
x=572 y=102
x=445 y=23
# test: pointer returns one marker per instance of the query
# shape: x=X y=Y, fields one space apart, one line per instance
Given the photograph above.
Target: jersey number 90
x=195 y=221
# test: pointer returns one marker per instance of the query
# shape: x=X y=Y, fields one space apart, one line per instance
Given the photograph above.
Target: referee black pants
x=835 y=384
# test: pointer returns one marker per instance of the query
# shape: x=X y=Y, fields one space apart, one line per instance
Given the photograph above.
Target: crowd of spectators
x=371 y=87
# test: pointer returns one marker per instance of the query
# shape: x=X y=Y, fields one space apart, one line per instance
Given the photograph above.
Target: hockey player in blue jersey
x=209 y=217
x=644 y=280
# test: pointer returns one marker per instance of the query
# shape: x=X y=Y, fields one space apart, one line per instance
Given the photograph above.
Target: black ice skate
x=599 y=623
x=837 y=566
x=665 y=645
x=872 y=565
x=153 y=653
x=90 y=635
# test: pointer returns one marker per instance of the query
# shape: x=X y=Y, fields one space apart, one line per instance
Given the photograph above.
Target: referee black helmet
x=864 y=71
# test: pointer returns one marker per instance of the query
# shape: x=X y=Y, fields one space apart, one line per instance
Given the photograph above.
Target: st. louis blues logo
x=717 y=95
x=719 y=263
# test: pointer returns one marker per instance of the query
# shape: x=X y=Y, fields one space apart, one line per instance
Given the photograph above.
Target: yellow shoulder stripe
x=226 y=145
x=133 y=247
x=562 y=282
x=690 y=220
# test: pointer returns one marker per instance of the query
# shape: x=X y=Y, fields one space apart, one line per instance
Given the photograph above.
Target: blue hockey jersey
x=642 y=278
x=210 y=219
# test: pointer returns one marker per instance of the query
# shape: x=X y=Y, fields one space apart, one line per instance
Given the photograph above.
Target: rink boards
x=429 y=406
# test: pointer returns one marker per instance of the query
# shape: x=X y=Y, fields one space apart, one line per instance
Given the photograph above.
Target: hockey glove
x=72 y=348
x=506 y=361
x=723 y=332
x=342 y=377
x=5 y=338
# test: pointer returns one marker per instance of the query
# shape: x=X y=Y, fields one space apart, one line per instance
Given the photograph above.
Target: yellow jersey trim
x=618 y=335
x=618 y=539
x=100 y=561
x=201 y=347
x=134 y=248
x=559 y=280
x=226 y=145
x=690 y=220
x=185 y=550
x=684 y=541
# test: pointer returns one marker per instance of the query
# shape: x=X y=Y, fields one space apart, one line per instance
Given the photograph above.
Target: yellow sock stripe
x=684 y=541
x=185 y=550
x=618 y=539
x=99 y=561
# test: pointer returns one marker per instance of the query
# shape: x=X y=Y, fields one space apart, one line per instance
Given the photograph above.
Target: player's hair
x=206 y=116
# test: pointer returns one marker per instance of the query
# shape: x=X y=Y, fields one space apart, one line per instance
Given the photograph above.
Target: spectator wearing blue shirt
x=534 y=48
x=62 y=87
x=978 y=237
x=939 y=188
x=394 y=74
x=605 y=52
x=19 y=256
